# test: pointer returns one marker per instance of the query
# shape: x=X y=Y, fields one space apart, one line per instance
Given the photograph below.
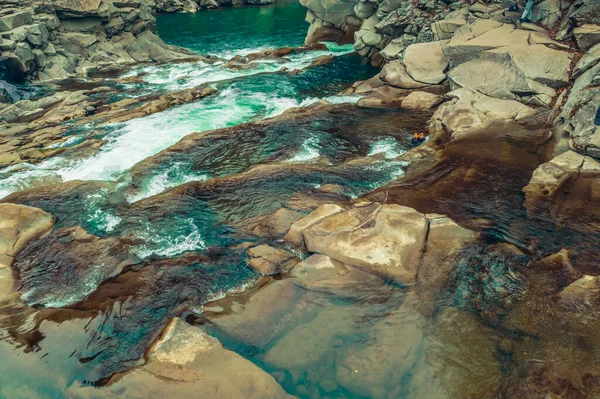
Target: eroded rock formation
x=57 y=39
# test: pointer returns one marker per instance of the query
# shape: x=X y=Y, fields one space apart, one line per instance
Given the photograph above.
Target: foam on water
x=309 y=150
x=131 y=142
x=172 y=177
x=188 y=239
x=387 y=146
x=188 y=75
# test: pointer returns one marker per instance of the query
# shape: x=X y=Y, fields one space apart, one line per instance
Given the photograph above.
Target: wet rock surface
x=329 y=251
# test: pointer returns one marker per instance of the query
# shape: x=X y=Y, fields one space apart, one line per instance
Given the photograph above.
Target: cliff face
x=383 y=29
x=55 y=39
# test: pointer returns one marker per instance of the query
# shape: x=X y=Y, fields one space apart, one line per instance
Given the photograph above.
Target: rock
x=548 y=12
x=394 y=73
x=579 y=13
x=471 y=112
x=563 y=187
x=498 y=75
x=19 y=226
x=77 y=35
x=276 y=224
x=74 y=263
x=426 y=62
x=331 y=20
x=392 y=246
x=584 y=291
x=294 y=235
x=320 y=273
x=470 y=40
x=185 y=362
x=445 y=28
x=322 y=60
x=578 y=113
x=267 y=260
x=587 y=36
x=16 y=19
x=421 y=100
x=396 y=47
x=255 y=319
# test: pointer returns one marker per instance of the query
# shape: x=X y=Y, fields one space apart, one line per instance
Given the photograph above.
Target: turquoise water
x=226 y=32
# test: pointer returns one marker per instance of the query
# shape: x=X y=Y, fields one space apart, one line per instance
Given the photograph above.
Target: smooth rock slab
x=391 y=244
x=426 y=62
x=394 y=73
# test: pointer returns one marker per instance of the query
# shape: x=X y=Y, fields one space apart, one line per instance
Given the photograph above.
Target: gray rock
x=12 y=21
x=587 y=36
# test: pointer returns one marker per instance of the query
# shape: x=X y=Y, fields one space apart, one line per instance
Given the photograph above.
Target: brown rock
x=267 y=260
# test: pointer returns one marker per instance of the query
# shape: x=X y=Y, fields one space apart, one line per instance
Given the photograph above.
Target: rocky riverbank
x=462 y=265
x=46 y=40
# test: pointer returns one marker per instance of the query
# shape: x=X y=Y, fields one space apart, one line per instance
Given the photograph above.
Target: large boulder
x=389 y=240
x=470 y=112
x=426 y=62
x=392 y=245
x=524 y=73
x=394 y=73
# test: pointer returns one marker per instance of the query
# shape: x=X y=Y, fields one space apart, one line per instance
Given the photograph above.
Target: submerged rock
x=19 y=226
x=67 y=265
x=188 y=363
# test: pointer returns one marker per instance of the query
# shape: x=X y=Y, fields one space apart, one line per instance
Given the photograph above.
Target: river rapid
x=154 y=221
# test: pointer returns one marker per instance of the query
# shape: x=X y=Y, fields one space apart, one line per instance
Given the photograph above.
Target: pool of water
x=226 y=32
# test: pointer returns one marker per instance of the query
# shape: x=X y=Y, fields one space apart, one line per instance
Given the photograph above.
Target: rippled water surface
x=156 y=222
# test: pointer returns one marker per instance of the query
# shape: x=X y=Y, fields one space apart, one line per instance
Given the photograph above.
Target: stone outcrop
x=54 y=40
x=469 y=112
x=266 y=260
x=390 y=240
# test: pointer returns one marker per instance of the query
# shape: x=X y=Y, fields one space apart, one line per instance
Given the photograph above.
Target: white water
x=188 y=75
x=138 y=139
x=387 y=146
